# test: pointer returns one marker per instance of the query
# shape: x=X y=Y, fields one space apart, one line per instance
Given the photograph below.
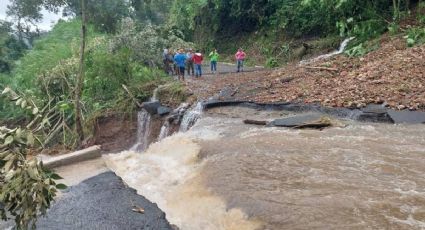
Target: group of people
x=191 y=62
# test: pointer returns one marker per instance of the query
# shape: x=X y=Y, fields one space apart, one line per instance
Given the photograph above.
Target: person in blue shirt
x=180 y=60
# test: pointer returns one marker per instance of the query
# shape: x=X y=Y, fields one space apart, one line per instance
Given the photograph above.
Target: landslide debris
x=392 y=74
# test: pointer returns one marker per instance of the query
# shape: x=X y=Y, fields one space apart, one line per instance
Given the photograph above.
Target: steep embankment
x=392 y=74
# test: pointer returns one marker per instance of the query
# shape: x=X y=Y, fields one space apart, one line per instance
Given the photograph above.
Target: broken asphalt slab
x=295 y=120
x=371 y=113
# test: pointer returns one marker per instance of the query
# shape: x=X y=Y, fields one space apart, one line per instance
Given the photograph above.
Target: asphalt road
x=98 y=199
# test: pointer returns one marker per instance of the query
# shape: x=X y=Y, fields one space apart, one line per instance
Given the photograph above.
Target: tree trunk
x=396 y=10
x=80 y=78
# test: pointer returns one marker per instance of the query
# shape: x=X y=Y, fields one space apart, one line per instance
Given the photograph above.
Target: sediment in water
x=168 y=173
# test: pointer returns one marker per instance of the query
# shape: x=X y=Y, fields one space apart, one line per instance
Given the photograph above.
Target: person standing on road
x=240 y=58
x=172 y=64
x=165 y=61
x=167 y=58
x=189 y=63
x=213 y=59
x=197 y=59
x=180 y=60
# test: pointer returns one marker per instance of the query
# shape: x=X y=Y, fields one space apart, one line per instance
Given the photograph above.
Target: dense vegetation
x=286 y=29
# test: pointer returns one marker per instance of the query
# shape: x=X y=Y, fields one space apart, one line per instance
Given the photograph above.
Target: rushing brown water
x=223 y=174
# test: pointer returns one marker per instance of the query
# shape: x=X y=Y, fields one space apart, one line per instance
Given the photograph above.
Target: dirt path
x=224 y=68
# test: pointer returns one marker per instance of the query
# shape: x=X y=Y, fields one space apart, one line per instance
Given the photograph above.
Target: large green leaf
x=61 y=186
x=8 y=140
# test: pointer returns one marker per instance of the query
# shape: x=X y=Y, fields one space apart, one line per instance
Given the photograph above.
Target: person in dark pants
x=180 y=60
x=240 y=58
x=167 y=59
x=189 y=63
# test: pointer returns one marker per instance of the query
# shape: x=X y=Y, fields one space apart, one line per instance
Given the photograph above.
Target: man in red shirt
x=197 y=60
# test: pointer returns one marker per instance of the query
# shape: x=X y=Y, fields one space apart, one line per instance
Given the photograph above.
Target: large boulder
x=151 y=106
x=297 y=120
x=163 y=110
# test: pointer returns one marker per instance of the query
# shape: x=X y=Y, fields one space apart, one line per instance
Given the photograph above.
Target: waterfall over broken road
x=223 y=174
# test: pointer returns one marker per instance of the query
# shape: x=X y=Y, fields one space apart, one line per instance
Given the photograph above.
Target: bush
x=358 y=50
x=271 y=62
x=415 y=36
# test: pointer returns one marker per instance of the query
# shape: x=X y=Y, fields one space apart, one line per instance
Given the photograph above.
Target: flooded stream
x=223 y=174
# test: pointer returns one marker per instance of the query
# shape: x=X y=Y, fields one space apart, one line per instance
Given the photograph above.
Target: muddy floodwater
x=223 y=174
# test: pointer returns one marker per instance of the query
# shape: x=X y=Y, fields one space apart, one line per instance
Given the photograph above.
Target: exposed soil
x=392 y=74
x=115 y=132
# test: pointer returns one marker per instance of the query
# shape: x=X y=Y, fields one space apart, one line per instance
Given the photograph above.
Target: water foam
x=190 y=117
x=168 y=173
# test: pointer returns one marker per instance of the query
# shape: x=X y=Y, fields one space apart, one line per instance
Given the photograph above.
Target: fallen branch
x=138 y=209
x=131 y=95
x=254 y=122
x=320 y=68
x=235 y=92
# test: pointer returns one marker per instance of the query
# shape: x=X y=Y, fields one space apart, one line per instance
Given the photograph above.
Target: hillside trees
x=151 y=11
x=11 y=48
x=104 y=15
x=30 y=10
x=288 y=18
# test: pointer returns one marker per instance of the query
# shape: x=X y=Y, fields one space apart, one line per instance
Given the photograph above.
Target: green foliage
x=26 y=188
x=153 y=12
x=104 y=15
x=172 y=94
x=358 y=50
x=271 y=62
x=367 y=29
x=107 y=72
x=421 y=13
x=59 y=44
x=293 y=17
x=224 y=24
x=7 y=110
x=145 y=42
x=183 y=14
x=47 y=75
x=48 y=122
x=415 y=36
x=11 y=49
